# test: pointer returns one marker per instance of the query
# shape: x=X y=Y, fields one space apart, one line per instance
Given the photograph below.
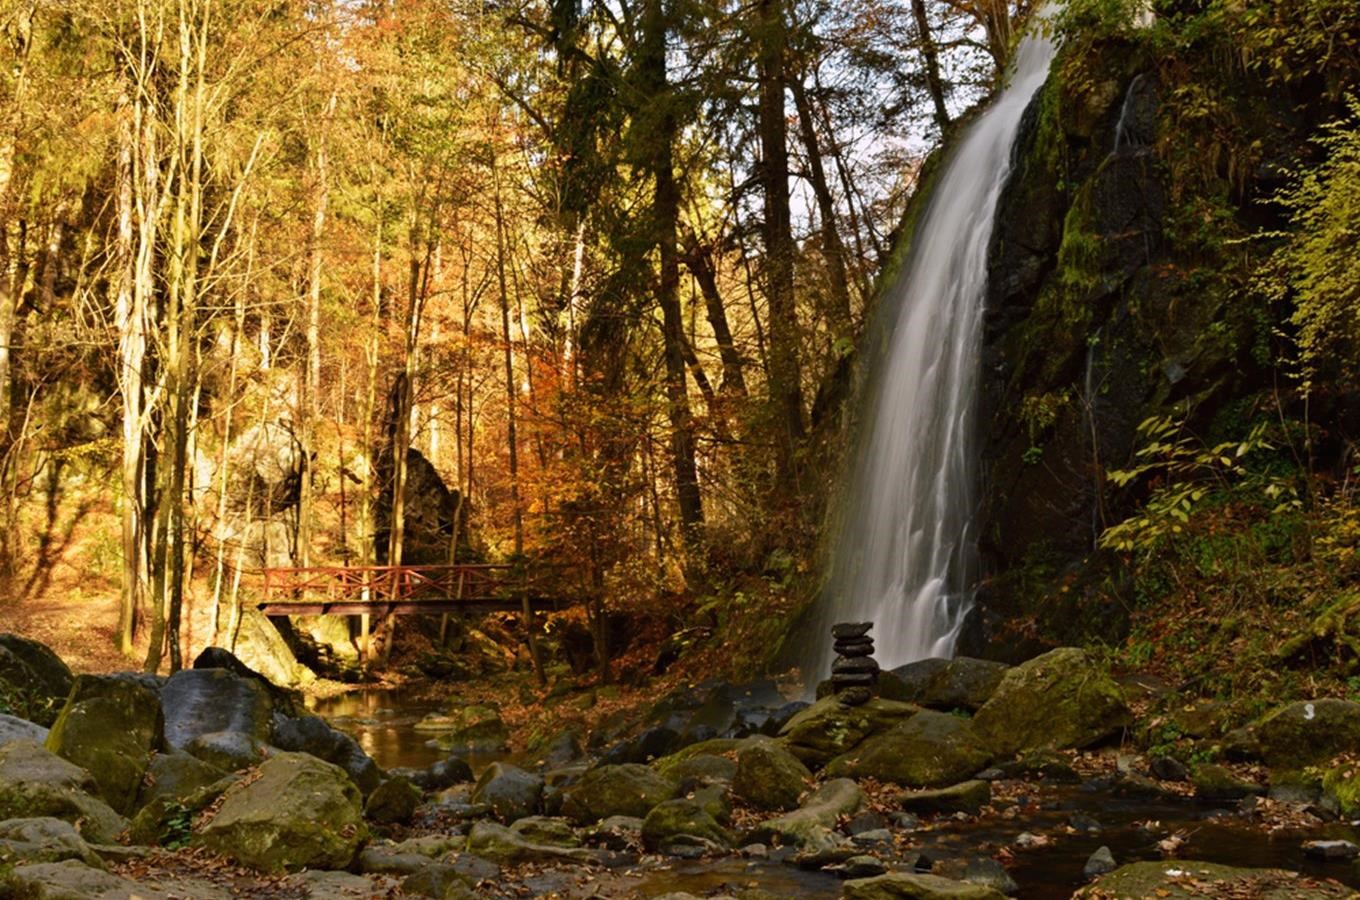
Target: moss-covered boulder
x=811 y=825
x=682 y=817
x=928 y=750
x=175 y=775
x=312 y=734
x=964 y=683
x=1341 y=784
x=510 y=792
x=905 y=885
x=44 y=839
x=392 y=802
x=1187 y=879
x=966 y=797
x=912 y=886
x=53 y=677
x=500 y=844
x=701 y=769
x=467 y=729
x=21 y=691
x=209 y=701
x=36 y=782
x=299 y=812
x=631 y=789
x=1062 y=699
x=261 y=647
x=768 y=776
x=546 y=830
x=166 y=820
x=1218 y=784
x=828 y=728
x=110 y=726
x=1301 y=734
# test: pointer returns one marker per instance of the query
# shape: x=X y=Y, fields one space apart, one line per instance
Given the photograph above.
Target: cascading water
x=904 y=557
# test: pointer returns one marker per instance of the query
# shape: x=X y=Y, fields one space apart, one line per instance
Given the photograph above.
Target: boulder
x=468 y=729
x=13 y=728
x=626 y=790
x=911 y=680
x=768 y=776
x=73 y=880
x=1301 y=734
x=392 y=802
x=810 y=826
x=110 y=727
x=911 y=886
x=1059 y=700
x=52 y=677
x=261 y=647
x=968 y=797
x=36 y=782
x=176 y=775
x=502 y=845
x=167 y=821
x=653 y=743
x=1218 y=784
x=212 y=700
x=701 y=769
x=546 y=830
x=299 y=812
x=510 y=792
x=333 y=886
x=930 y=749
x=682 y=817
x=1191 y=879
x=43 y=840
x=965 y=683
x=828 y=728
x=230 y=751
x=442 y=882
x=616 y=832
x=312 y=734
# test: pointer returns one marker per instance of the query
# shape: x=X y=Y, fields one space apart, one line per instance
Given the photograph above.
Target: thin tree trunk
x=931 y=56
x=700 y=261
x=832 y=247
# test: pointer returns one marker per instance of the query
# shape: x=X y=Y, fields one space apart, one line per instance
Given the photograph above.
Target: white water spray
x=905 y=556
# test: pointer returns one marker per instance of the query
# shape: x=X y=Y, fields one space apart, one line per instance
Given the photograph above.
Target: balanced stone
x=850 y=630
x=854 y=665
x=855 y=648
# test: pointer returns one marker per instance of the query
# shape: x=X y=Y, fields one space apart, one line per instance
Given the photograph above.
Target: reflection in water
x=383 y=722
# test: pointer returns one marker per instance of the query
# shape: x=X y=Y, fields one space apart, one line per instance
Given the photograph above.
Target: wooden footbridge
x=414 y=590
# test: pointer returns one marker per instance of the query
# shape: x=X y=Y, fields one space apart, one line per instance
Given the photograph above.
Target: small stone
x=856 y=696
x=852 y=679
x=856 y=665
x=855 y=648
x=868 y=820
x=755 y=851
x=1027 y=839
x=1083 y=822
x=990 y=873
x=1168 y=768
x=992 y=774
x=1331 y=850
x=905 y=820
x=1126 y=763
x=850 y=630
x=1100 y=863
x=873 y=838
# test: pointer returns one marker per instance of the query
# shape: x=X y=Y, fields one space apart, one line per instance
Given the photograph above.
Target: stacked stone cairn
x=854 y=674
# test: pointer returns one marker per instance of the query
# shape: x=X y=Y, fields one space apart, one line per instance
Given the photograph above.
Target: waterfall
x=904 y=558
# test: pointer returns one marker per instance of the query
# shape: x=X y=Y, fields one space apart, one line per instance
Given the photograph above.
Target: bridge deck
x=408 y=590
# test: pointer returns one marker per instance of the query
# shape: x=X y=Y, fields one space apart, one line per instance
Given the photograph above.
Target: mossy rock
x=297 y=812
x=912 y=886
x=1190 y=879
x=500 y=844
x=53 y=678
x=768 y=776
x=35 y=782
x=669 y=765
x=548 y=830
x=510 y=792
x=1342 y=784
x=967 y=797
x=392 y=802
x=1301 y=734
x=829 y=728
x=176 y=775
x=1219 y=784
x=631 y=789
x=471 y=729
x=1056 y=701
x=930 y=749
x=165 y=819
x=704 y=768
x=682 y=817
x=21 y=692
x=811 y=825
x=261 y=647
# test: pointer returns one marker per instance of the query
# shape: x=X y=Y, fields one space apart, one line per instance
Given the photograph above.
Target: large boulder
x=312 y=734
x=175 y=775
x=1300 y=734
x=928 y=750
x=811 y=825
x=299 y=812
x=73 y=880
x=1191 y=879
x=965 y=683
x=392 y=802
x=510 y=792
x=110 y=727
x=54 y=677
x=261 y=647
x=36 y=782
x=631 y=789
x=211 y=700
x=1062 y=699
x=768 y=776
x=44 y=839
x=682 y=818
x=13 y=728
x=500 y=844
x=912 y=886
x=21 y=691
x=828 y=728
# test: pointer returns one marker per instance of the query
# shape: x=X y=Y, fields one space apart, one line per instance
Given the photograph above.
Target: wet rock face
x=429 y=508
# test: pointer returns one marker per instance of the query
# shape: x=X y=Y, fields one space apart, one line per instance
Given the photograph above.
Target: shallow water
x=383 y=722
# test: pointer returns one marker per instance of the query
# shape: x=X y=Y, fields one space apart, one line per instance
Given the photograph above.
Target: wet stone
x=853 y=665
x=849 y=630
x=1100 y=863
x=1331 y=850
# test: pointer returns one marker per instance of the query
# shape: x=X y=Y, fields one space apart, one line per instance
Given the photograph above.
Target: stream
x=383 y=722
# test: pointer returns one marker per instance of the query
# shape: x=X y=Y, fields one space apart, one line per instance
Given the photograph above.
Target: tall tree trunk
x=931 y=56
x=699 y=259
x=666 y=215
x=508 y=342
x=786 y=391
x=832 y=247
